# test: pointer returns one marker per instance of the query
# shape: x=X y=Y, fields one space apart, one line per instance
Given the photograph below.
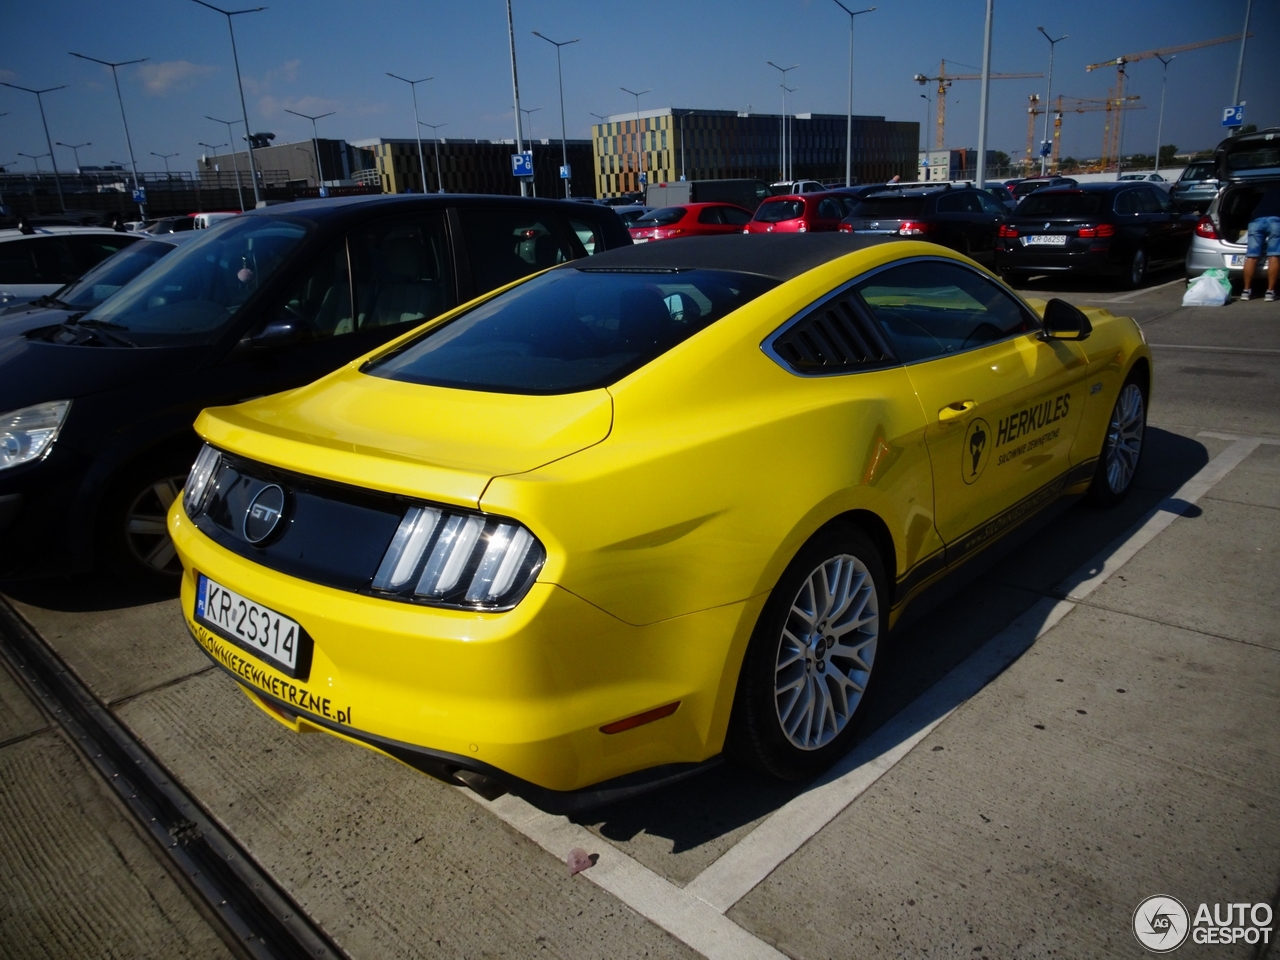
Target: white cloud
x=8 y=75
x=160 y=78
x=287 y=72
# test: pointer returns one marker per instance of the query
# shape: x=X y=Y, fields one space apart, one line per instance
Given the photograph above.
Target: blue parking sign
x=1233 y=116
x=566 y=172
x=140 y=195
x=522 y=164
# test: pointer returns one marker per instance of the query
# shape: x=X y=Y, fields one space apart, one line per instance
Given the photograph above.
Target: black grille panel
x=834 y=337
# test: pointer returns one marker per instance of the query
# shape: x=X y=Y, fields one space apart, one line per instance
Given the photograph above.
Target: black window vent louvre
x=834 y=338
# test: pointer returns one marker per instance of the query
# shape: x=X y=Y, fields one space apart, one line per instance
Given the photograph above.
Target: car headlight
x=197 y=487
x=28 y=434
x=450 y=558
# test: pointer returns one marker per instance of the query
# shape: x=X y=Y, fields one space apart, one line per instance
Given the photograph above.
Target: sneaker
x=1270 y=296
x=1246 y=294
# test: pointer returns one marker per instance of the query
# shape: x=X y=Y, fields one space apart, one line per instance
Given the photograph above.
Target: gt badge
x=976 y=450
x=263 y=514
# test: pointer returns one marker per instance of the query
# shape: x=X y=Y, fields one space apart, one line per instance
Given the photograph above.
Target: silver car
x=1247 y=166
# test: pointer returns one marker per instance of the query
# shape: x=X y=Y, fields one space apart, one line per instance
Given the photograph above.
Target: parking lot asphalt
x=1089 y=721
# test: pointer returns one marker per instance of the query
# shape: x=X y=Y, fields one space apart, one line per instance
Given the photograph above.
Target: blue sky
x=322 y=55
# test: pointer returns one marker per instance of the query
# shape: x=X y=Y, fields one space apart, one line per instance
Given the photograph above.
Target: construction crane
x=945 y=80
x=1067 y=105
x=1111 y=140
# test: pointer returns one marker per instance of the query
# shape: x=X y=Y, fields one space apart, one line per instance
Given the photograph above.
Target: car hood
x=32 y=371
x=24 y=317
x=436 y=443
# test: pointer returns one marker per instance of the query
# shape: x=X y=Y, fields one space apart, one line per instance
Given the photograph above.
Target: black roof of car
x=781 y=257
x=356 y=207
x=1105 y=186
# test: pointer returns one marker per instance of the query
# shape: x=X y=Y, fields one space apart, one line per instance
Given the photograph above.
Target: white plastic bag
x=1210 y=289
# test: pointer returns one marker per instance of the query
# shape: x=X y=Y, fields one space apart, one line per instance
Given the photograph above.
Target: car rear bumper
x=517 y=697
x=1204 y=254
x=1033 y=259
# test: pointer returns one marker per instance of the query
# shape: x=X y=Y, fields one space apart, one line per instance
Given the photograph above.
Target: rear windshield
x=1255 y=157
x=894 y=208
x=1198 y=171
x=1074 y=204
x=569 y=329
x=659 y=218
x=775 y=211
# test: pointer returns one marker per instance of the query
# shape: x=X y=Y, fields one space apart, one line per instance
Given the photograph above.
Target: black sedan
x=1112 y=229
x=96 y=411
x=964 y=219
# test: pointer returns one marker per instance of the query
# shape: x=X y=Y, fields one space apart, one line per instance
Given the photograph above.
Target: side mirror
x=1062 y=321
x=277 y=333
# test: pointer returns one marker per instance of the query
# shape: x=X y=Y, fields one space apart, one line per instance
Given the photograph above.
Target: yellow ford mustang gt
x=586 y=534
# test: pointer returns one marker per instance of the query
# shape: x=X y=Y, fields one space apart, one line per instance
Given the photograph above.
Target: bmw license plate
x=1236 y=260
x=1046 y=240
x=268 y=635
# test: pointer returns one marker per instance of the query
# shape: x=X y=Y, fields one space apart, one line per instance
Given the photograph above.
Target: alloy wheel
x=1124 y=438
x=1138 y=267
x=146 y=529
x=826 y=652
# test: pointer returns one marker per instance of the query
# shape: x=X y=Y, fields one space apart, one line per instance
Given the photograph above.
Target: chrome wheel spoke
x=1124 y=438
x=146 y=529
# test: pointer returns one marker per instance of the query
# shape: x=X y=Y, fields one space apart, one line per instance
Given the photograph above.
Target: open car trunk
x=1235 y=207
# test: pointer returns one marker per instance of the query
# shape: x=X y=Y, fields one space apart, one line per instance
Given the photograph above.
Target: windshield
x=569 y=329
x=775 y=211
x=113 y=273
x=194 y=293
x=659 y=218
x=1073 y=204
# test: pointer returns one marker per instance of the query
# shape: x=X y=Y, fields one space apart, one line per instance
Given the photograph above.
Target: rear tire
x=809 y=666
x=1122 y=447
x=1136 y=272
x=133 y=537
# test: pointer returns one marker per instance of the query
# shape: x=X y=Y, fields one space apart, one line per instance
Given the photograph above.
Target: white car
x=1149 y=178
x=37 y=261
x=795 y=187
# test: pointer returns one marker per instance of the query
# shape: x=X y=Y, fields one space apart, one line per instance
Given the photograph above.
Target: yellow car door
x=1001 y=404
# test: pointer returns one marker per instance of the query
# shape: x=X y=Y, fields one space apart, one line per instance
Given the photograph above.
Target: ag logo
x=1161 y=924
x=263 y=514
x=976 y=449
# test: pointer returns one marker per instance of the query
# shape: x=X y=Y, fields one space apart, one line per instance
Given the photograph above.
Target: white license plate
x=1236 y=260
x=641 y=240
x=1046 y=240
x=268 y=635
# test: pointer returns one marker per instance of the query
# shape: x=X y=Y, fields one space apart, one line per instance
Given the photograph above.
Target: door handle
x=954 y=411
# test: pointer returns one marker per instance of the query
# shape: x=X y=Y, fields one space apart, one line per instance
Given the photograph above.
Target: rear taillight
x=1206 y=228
x=802 y=227
x=846 y=228
x=914 y=228
x=1007 y=231
x=745 y=230
x=1101 y=230
x=663 y=234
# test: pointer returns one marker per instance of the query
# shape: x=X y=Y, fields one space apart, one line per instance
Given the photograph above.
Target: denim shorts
x=1264 y=228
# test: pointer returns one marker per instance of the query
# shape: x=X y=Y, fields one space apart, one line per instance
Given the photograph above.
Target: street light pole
x=515 y=93
x=791 y=133
x=34 y=156
x=439 y=177
x=1244 y=35
x=48 y=140
x=142 y=207
x=315 y=143
x=528 y=116
x=782 y=147
x=253 y=170
x=75 y=149
x=1048 y=99
x=564 y=150
x=165 y=157
x=235 y=169
x=924 y=130
x=1164 y=81
x=986 y=91
x=413 y=85
x=639 y=132
x=848 y=135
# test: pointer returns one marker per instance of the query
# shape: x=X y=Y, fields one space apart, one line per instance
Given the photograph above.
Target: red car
x=810 y=213
x=689 y=220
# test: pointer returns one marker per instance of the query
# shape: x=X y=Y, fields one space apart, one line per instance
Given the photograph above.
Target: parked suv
x=1196 y=188
x=36 y=261
x=964 y=219
x=96 y=412
x=1246 y=167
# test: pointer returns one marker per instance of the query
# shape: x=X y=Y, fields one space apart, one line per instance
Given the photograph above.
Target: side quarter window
x=505 y=245
x=932 y=308
x=588 y=235
x=402 y=270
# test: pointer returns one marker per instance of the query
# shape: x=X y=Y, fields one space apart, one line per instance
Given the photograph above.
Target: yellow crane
x=1111 y=131
x=945 y=80
x=1067 y=105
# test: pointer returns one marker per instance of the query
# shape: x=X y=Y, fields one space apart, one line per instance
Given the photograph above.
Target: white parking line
x=695 y=914
x=1138 y=293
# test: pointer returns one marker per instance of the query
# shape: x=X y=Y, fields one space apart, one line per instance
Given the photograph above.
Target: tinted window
x=320 y=302
x=662 y=217
x=775 y=211
x=830 y=209
x=1127 y=203
x=402 y=270
x=589 y=235
x=91 y=249
x=505 y=245
x=930 y=308
x=1075 y=204
x=112 y=274
x=1197 y=171
x=961 y=202
x=989 y=205
x=710 y=215
x=16 y=263
x=195 y=291
x=1262 y=155
x=569 y=330
x=893 y=208
x=1148 y=202
x=734 y=216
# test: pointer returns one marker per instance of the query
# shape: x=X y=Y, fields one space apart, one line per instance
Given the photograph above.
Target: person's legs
x=1256 y=245
x=1273 y=255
